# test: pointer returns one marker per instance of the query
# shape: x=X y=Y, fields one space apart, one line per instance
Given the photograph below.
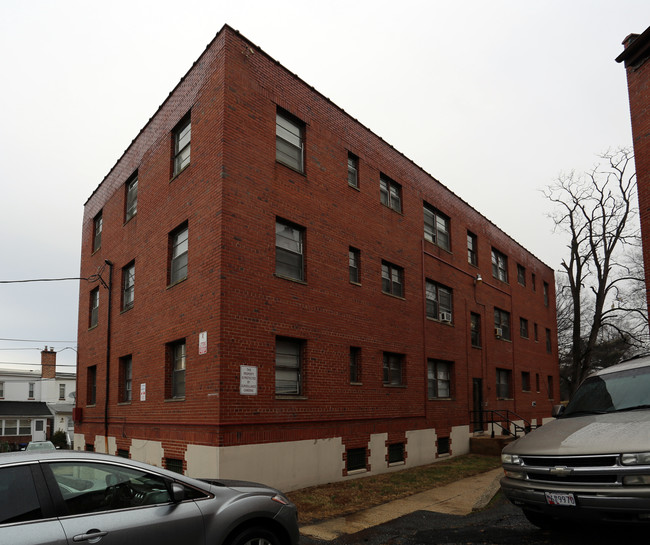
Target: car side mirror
x=177 y=492
x=557 y=411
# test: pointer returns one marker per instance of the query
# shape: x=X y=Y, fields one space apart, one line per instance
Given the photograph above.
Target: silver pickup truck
x=593 y=462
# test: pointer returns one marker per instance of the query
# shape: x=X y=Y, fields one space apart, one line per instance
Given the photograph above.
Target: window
x=355 y=364
x=123 y=453
x=355 y=263
x=128 y=285
x=390 y=193
x=98 y=225
x=61 y=392
x=11 y=427
x=439 y=379
x=533 y=281
x=174 y=464
x=289 y=247
x=521 y=274
x=91 y=385
x=393 y=364
x=182 y=138
x=475 y=329
x=537 y=382
x=353 y=170
x=126 y=371
x=176 y=354
x=392 y=279
x=472 y=249
x=94 y=308
x=523 y=328
x=545 y=294
x=549 y=346
x=550 y=387
x=289 y=141
x=503 y=383
x=396 y=453
x=288 y=359
x=178 y=242
x=18 y=499
x=2 y=390
x=131 y=200
x=355 y=459
x=536 y=332
x=443 y=445
x=499 y=265
x=30 y=394
x=436 y=227
x=439 y=305
x=501 y=324
x=525 y=381
x=108 y=489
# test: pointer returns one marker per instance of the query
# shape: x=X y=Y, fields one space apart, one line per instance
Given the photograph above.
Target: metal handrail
x=504 y=419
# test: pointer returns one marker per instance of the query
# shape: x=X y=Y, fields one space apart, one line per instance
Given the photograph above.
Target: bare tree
x=598 y=302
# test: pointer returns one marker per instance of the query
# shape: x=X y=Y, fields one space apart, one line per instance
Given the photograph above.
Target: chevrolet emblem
x=561 y=471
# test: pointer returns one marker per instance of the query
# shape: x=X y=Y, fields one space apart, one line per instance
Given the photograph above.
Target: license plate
x=556 y=498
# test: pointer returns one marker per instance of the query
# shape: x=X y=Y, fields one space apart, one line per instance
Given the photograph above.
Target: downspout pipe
x=108 y=352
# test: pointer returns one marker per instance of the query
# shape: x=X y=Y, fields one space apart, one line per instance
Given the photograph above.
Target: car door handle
x=93 y=536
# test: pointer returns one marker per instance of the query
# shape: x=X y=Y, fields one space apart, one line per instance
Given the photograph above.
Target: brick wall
x=230 y=196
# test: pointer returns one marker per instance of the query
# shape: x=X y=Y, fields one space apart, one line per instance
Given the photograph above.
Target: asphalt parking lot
x=501 y=523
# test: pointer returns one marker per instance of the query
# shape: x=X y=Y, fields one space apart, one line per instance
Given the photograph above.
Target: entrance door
x=477 y=396
x=38 y=434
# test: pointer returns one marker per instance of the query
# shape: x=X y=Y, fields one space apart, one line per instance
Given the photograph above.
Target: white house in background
x=33 y=406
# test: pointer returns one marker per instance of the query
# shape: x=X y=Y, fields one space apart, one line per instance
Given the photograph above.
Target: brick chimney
x=48 y=363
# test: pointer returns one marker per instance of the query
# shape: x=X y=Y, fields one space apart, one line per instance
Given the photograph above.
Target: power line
x=35 y=364
x=35 y=341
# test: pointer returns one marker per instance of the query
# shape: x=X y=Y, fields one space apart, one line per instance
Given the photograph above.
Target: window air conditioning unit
x=498 y=332
x=445 y=316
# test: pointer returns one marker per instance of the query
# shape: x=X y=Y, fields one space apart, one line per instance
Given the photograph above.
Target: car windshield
x=623 y=391
x=44 y=445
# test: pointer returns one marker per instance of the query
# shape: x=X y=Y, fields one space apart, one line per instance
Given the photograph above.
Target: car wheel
x=543 y=521
x=256 y=535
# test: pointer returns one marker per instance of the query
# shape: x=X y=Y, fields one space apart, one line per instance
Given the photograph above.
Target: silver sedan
x=67 y=497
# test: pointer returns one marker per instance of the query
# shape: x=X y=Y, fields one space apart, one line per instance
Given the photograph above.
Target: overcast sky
x=493 y=98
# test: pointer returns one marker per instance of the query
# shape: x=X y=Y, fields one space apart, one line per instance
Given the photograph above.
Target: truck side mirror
x=557 y=411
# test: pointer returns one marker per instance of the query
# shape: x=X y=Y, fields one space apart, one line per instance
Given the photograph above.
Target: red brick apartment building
x=292 y=300
x=635 y=57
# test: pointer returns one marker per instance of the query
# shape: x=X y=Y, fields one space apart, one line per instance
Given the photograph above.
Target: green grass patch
x=352 y=495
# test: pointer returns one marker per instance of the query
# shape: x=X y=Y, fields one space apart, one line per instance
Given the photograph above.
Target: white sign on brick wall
x=248 y=380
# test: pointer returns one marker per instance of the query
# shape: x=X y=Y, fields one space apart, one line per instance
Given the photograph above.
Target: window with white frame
x=61 y=392
x=499 y=265
x=393 y=369
x=182 y=140
x=30 y=393
x=98 y=227
x=131 y=199
x=288 y=366
x=289 y=247
x=392 y=279
x=2 y=389
x=439 y=302
x=472 y=249
x=177 y=358
x=94 y=308
x=439 y=379
x=502 y=323
x=390 y=193
x=289 y=141
x=128 y=285
x=436 y=227
x=354 y=257
x=178 y=242
x=353 y=170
